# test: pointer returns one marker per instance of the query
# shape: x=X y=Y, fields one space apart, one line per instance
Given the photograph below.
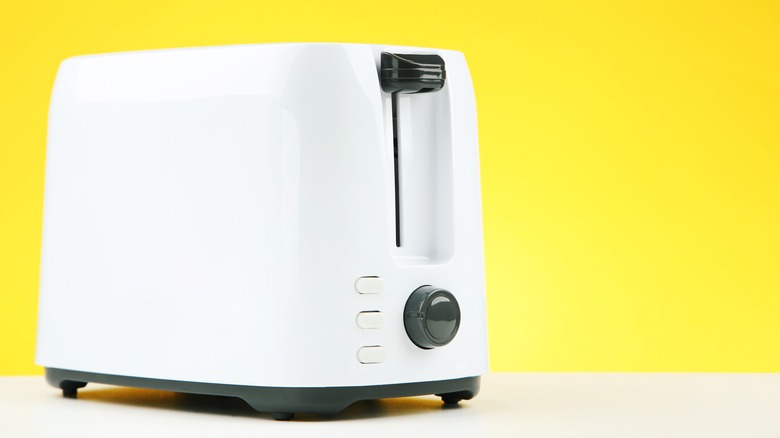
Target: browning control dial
x=431 y=317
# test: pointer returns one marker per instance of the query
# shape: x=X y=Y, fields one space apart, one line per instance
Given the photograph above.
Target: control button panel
x=371 y=354
x=370 y=285
x=370 y=319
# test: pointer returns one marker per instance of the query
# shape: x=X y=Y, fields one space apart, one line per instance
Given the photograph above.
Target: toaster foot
x=70 y=388
x=283 y=416
x=452 y=398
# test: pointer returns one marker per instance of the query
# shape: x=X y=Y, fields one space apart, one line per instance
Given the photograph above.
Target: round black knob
x=431 y=317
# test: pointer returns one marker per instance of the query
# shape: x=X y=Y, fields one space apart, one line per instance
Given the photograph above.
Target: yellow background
x=630 y=161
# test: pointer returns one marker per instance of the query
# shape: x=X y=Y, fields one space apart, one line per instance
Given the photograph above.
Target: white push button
x=370 y=285
x=370 y=320
x=373 y=354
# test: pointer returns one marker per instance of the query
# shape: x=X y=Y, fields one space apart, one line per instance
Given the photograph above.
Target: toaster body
x=257 y=220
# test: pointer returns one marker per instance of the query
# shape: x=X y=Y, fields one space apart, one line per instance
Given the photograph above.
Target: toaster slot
x=422 y=157
x=396 y=180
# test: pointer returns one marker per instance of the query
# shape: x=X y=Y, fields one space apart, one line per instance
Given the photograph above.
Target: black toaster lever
x=411 y=73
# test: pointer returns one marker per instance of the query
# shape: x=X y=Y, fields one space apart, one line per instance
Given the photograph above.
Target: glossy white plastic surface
x=208 y=213
x=370 y=285
x=370 y=320
x=371 y=354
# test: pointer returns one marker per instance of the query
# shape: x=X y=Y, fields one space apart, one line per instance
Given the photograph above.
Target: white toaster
x=297 y=225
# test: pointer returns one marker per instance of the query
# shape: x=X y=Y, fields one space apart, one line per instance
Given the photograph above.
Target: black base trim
x=278 y=400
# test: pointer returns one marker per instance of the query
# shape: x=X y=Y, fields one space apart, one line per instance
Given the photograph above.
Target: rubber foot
x=450 y=399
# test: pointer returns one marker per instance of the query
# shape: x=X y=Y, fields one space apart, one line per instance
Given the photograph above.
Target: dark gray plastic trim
x=416 y=313
x=411 y=73
x=324 y=400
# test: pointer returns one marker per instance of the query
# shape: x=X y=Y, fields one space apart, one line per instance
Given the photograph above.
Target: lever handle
x=411 y=73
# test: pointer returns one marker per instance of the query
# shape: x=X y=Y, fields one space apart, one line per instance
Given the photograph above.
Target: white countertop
x=510 y=404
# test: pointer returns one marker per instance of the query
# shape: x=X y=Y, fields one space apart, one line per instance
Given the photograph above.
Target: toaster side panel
x=172 y=223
